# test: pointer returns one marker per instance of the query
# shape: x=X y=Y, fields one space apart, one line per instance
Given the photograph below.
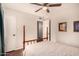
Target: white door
x=10 y=33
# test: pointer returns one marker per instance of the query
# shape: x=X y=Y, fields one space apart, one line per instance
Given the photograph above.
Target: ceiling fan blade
x=47 y=10
x=37 y=4
x=38 y=10
x=45 y=4
x=55 y=5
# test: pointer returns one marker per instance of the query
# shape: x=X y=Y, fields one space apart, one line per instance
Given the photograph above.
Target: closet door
x=9 y=30
x=10 y=33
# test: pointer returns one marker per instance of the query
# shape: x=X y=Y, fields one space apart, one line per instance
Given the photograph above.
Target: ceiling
x=25 y=7
x=30 y=8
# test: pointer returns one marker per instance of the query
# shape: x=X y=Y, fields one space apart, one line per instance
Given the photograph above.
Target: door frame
x=49 y=30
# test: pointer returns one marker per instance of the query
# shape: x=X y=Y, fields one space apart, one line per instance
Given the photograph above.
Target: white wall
x=66 y=13
x=10 y=28
x=30 y=22
x=45 y=25
x=18 y=19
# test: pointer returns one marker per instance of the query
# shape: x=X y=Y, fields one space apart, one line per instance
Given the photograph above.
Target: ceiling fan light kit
x=45 y=6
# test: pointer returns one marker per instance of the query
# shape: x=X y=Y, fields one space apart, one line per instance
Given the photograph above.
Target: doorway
x=43 y=30
x=39 y=31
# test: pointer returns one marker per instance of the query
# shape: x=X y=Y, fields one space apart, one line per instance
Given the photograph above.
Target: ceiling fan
x=45 y=6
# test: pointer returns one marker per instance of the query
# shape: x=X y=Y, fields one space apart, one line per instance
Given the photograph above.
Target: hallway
x=47 y=48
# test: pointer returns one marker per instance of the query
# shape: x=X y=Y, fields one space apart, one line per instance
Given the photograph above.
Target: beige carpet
x=50 y=49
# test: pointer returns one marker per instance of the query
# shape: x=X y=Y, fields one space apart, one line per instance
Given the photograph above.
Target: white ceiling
x=54 y=11
x=26 y=7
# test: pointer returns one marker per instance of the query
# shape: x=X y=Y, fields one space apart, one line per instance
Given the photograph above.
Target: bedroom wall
x=10 y=28
x=66 y=13
x=13 y=23
x=16 y=19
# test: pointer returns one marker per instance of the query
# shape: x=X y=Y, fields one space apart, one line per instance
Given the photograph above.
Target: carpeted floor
x=50 y=49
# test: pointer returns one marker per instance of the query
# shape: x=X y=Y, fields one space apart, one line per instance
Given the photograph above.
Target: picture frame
x=63 y=26
x=76 y=26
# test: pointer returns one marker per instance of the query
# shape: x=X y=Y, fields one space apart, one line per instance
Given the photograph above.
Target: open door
x=39 y=31
x=43 y=30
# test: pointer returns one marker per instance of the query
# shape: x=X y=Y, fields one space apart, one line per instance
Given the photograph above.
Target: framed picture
x=76 y=26
x=63 y=26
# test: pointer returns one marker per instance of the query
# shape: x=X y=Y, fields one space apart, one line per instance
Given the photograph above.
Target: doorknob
x=13 y=34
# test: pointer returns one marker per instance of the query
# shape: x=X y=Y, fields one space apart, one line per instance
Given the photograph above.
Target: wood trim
x=46 y=38
x=35 y=39
x=23 y=37
x=18 y=52
x=49 y=30
x=31 y=40
x=47 y=33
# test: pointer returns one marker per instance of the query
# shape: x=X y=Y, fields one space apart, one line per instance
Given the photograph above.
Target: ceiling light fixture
x=44 y=8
